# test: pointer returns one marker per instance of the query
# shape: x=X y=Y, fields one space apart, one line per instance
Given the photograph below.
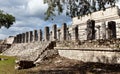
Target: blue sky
x=29 y=16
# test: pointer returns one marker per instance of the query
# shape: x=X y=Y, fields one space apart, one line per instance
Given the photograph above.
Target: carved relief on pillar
x=90 y=29
x=111 y=29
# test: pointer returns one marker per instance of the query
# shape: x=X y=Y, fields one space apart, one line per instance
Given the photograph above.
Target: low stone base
x=90 y=55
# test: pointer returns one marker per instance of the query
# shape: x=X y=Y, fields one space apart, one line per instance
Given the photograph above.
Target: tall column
x=20 y=38
x=90 y=29
x=58 y=34
x=111 y=29
x=15 y=39
x=35 y=35
x=103 y=30
x=40 y=35
x=75 y=33
x=46 y=34
x=64 y=32
x=30 y=36
x=54 y=32
x=23 y=37
x=26 y=37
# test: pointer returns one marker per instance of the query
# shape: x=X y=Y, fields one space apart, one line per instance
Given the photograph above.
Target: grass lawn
x=7 y=66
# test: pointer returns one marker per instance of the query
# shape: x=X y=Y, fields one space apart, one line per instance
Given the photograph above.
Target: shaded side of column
x=46 y=33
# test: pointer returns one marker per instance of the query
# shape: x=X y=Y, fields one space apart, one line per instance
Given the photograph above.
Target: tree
x=6 y=19
x=75 y=8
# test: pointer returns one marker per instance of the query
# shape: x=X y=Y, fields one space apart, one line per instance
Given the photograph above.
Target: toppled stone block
x=24 y=64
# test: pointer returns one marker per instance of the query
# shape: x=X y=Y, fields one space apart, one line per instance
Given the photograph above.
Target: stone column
x=111 y=29
x=54 y=32
x=75 y=33
x=20 y=38
x=23 y=37
x=90 y=29
x=40 y=35
x=35 y=35
x=103 y=30
x=15 y=39
x=30 y=36
x=59 y=34
x=26 y=37
x=64 y=32
x=46 y=33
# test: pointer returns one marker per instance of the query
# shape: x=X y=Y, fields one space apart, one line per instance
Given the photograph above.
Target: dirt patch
x=62 y=65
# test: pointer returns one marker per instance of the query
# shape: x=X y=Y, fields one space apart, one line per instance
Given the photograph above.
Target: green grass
x=8 y=66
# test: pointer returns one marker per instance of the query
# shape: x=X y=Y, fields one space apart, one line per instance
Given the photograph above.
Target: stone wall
x=104 y=51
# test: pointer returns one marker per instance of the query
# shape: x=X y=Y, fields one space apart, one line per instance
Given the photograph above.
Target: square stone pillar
x=103 y=30
x=46 y=34
x=20 y=38
x=58 y=34
x=74 y=34
x=111 y=29
x=23 y=37
x=64 y=32
x=15 y=39
x=40 y=35
x=30 y=36
x=26 y=37
x=54 y=32
x=90 y=29
x=35 y=36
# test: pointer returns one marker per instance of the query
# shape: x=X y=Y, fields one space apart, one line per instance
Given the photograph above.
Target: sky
x=29 y=16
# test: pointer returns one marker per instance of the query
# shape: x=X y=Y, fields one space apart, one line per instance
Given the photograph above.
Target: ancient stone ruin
x=91 y=38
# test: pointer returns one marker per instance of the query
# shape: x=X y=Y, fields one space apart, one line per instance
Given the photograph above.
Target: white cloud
x=36 y=7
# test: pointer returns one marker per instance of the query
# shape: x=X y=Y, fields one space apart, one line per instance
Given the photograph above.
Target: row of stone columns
x=63 y=33
x=107 y=33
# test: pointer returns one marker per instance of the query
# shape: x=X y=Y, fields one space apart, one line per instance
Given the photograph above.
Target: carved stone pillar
x=40 y=35
x=111 y=29
x=26 y=37
x=90 y=29
x=75 y=33
x=54 y=32
x=103 y=30
x=46 y=34
x=64 y=32
x=35 y=35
